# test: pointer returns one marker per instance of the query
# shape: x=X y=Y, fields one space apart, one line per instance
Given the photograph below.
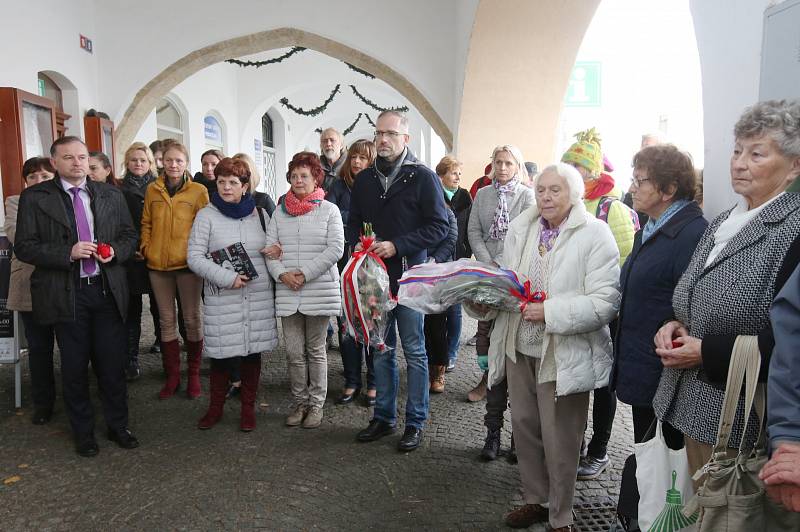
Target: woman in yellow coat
x=170 y=205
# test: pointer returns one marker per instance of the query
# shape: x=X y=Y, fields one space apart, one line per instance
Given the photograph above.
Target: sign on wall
x=212 y=130
x=584 y=85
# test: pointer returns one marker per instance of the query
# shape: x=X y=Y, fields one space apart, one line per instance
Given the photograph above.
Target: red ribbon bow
x=526 y=296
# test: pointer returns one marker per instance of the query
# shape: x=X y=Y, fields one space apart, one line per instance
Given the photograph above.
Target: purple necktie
x=84 y=231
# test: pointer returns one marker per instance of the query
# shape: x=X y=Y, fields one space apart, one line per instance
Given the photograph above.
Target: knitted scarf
x=597 y=188
x=237 y=211
x=298 y=207
x=139 y=181
x=499 y=226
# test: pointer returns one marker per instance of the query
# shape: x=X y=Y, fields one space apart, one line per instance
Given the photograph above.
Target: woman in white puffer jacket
x=239 y=312
x=556 y=351
x=310 y=235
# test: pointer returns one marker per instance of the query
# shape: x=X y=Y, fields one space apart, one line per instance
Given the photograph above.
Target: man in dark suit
x=81 y=288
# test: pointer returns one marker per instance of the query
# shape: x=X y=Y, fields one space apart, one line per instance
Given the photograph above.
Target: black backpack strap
x=261 y=218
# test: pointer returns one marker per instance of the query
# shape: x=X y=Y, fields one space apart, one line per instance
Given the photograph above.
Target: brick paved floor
x=274 y=478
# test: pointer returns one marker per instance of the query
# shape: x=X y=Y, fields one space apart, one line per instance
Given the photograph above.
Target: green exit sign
x=584 y=85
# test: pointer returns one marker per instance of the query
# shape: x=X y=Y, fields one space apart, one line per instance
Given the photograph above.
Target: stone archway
x=147 y=97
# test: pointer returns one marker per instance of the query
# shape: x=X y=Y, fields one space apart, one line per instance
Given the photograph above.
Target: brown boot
x=436 y=373
x=478 y=393
x=525 y=516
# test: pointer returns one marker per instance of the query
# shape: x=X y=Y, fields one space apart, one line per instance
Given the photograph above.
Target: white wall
x=45 y=35
x=729 y=35
x=169 y=34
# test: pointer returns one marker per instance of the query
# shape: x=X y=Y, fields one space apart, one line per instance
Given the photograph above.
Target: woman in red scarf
x=310 y=240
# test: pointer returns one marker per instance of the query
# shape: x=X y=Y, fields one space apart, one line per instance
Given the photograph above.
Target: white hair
x=516 y=154
x=571 y=177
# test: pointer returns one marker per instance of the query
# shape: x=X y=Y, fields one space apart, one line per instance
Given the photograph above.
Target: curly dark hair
x=311 y=161
x=667 y=165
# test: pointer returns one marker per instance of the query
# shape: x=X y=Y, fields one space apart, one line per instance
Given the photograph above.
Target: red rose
x=676 y=345
x=104 y=250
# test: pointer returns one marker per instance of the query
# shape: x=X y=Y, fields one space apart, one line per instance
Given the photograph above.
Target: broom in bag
x=366 y=293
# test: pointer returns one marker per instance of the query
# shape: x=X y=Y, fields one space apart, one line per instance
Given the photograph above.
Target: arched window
x=268 y=152
x=169 y=121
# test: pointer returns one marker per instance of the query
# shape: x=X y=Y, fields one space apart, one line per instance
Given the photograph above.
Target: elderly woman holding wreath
x=741 y=262
x=555 y=351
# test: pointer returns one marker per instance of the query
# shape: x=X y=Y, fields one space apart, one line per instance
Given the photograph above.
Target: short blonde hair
x=516 y=154
x=139 y=146
x=255 y=177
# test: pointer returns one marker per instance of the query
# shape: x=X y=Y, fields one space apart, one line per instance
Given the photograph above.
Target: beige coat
x=19 y=292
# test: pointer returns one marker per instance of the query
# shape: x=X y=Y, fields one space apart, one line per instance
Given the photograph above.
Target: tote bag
x=732 y=497
x=655 y=465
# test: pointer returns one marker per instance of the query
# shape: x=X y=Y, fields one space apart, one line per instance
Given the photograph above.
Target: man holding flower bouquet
x=404 y=202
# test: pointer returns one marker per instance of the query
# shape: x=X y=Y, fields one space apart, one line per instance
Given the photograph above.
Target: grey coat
x=487 y=249
x=731 y=296
x=311 y=243
x=240 y=321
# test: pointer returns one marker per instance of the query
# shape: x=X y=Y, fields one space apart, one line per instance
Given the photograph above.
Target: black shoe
x=347 y=398
x=42 y=415
x=511 y=457
x=369 y=401
x=86 y=446
x=376 y=430
x=156 y=347
x=411 y=439
x=123 y=437
x=491 y=447
x=451 y=365
x=233 y=391
x=132 y=372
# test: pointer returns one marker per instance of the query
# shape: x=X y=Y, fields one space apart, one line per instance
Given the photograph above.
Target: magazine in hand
x=235 y=257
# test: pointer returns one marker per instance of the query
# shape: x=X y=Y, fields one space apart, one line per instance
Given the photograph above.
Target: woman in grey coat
x=728 y=287
x=239 y=310
x=494 y=208
x=310 y=236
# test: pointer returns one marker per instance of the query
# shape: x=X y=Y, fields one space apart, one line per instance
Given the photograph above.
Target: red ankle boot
x=171 y=358
x=251 y=372
x=218 y=386
x=193 y=352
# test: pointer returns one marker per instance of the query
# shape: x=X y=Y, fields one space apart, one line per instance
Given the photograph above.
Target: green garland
x=259 y=64
x=401 y=109
x=352 y=126
x=316 y=110
x=360 y=71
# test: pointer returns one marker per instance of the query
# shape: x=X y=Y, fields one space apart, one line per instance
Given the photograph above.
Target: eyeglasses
x=388 y=134
x=637 y=181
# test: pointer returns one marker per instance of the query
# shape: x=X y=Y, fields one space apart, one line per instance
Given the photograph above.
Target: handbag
x=732 y=497
x=664 y=482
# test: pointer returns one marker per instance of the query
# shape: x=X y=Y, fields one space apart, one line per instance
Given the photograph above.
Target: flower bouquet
x=432 y=288
x=366 y=295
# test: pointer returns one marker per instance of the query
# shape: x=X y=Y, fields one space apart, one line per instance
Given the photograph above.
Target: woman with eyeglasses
x=663 y=188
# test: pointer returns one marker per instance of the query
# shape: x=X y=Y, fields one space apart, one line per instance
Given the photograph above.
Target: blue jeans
x=352 y=354
x=387 y=379
x=453 y=332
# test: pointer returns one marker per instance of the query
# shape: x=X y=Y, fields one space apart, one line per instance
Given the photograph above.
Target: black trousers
x=40 y=360
x=436 y=339
x=97 y=335
x=496 y=404
x=134 y=323
x=604 y=409
x=643 y=417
